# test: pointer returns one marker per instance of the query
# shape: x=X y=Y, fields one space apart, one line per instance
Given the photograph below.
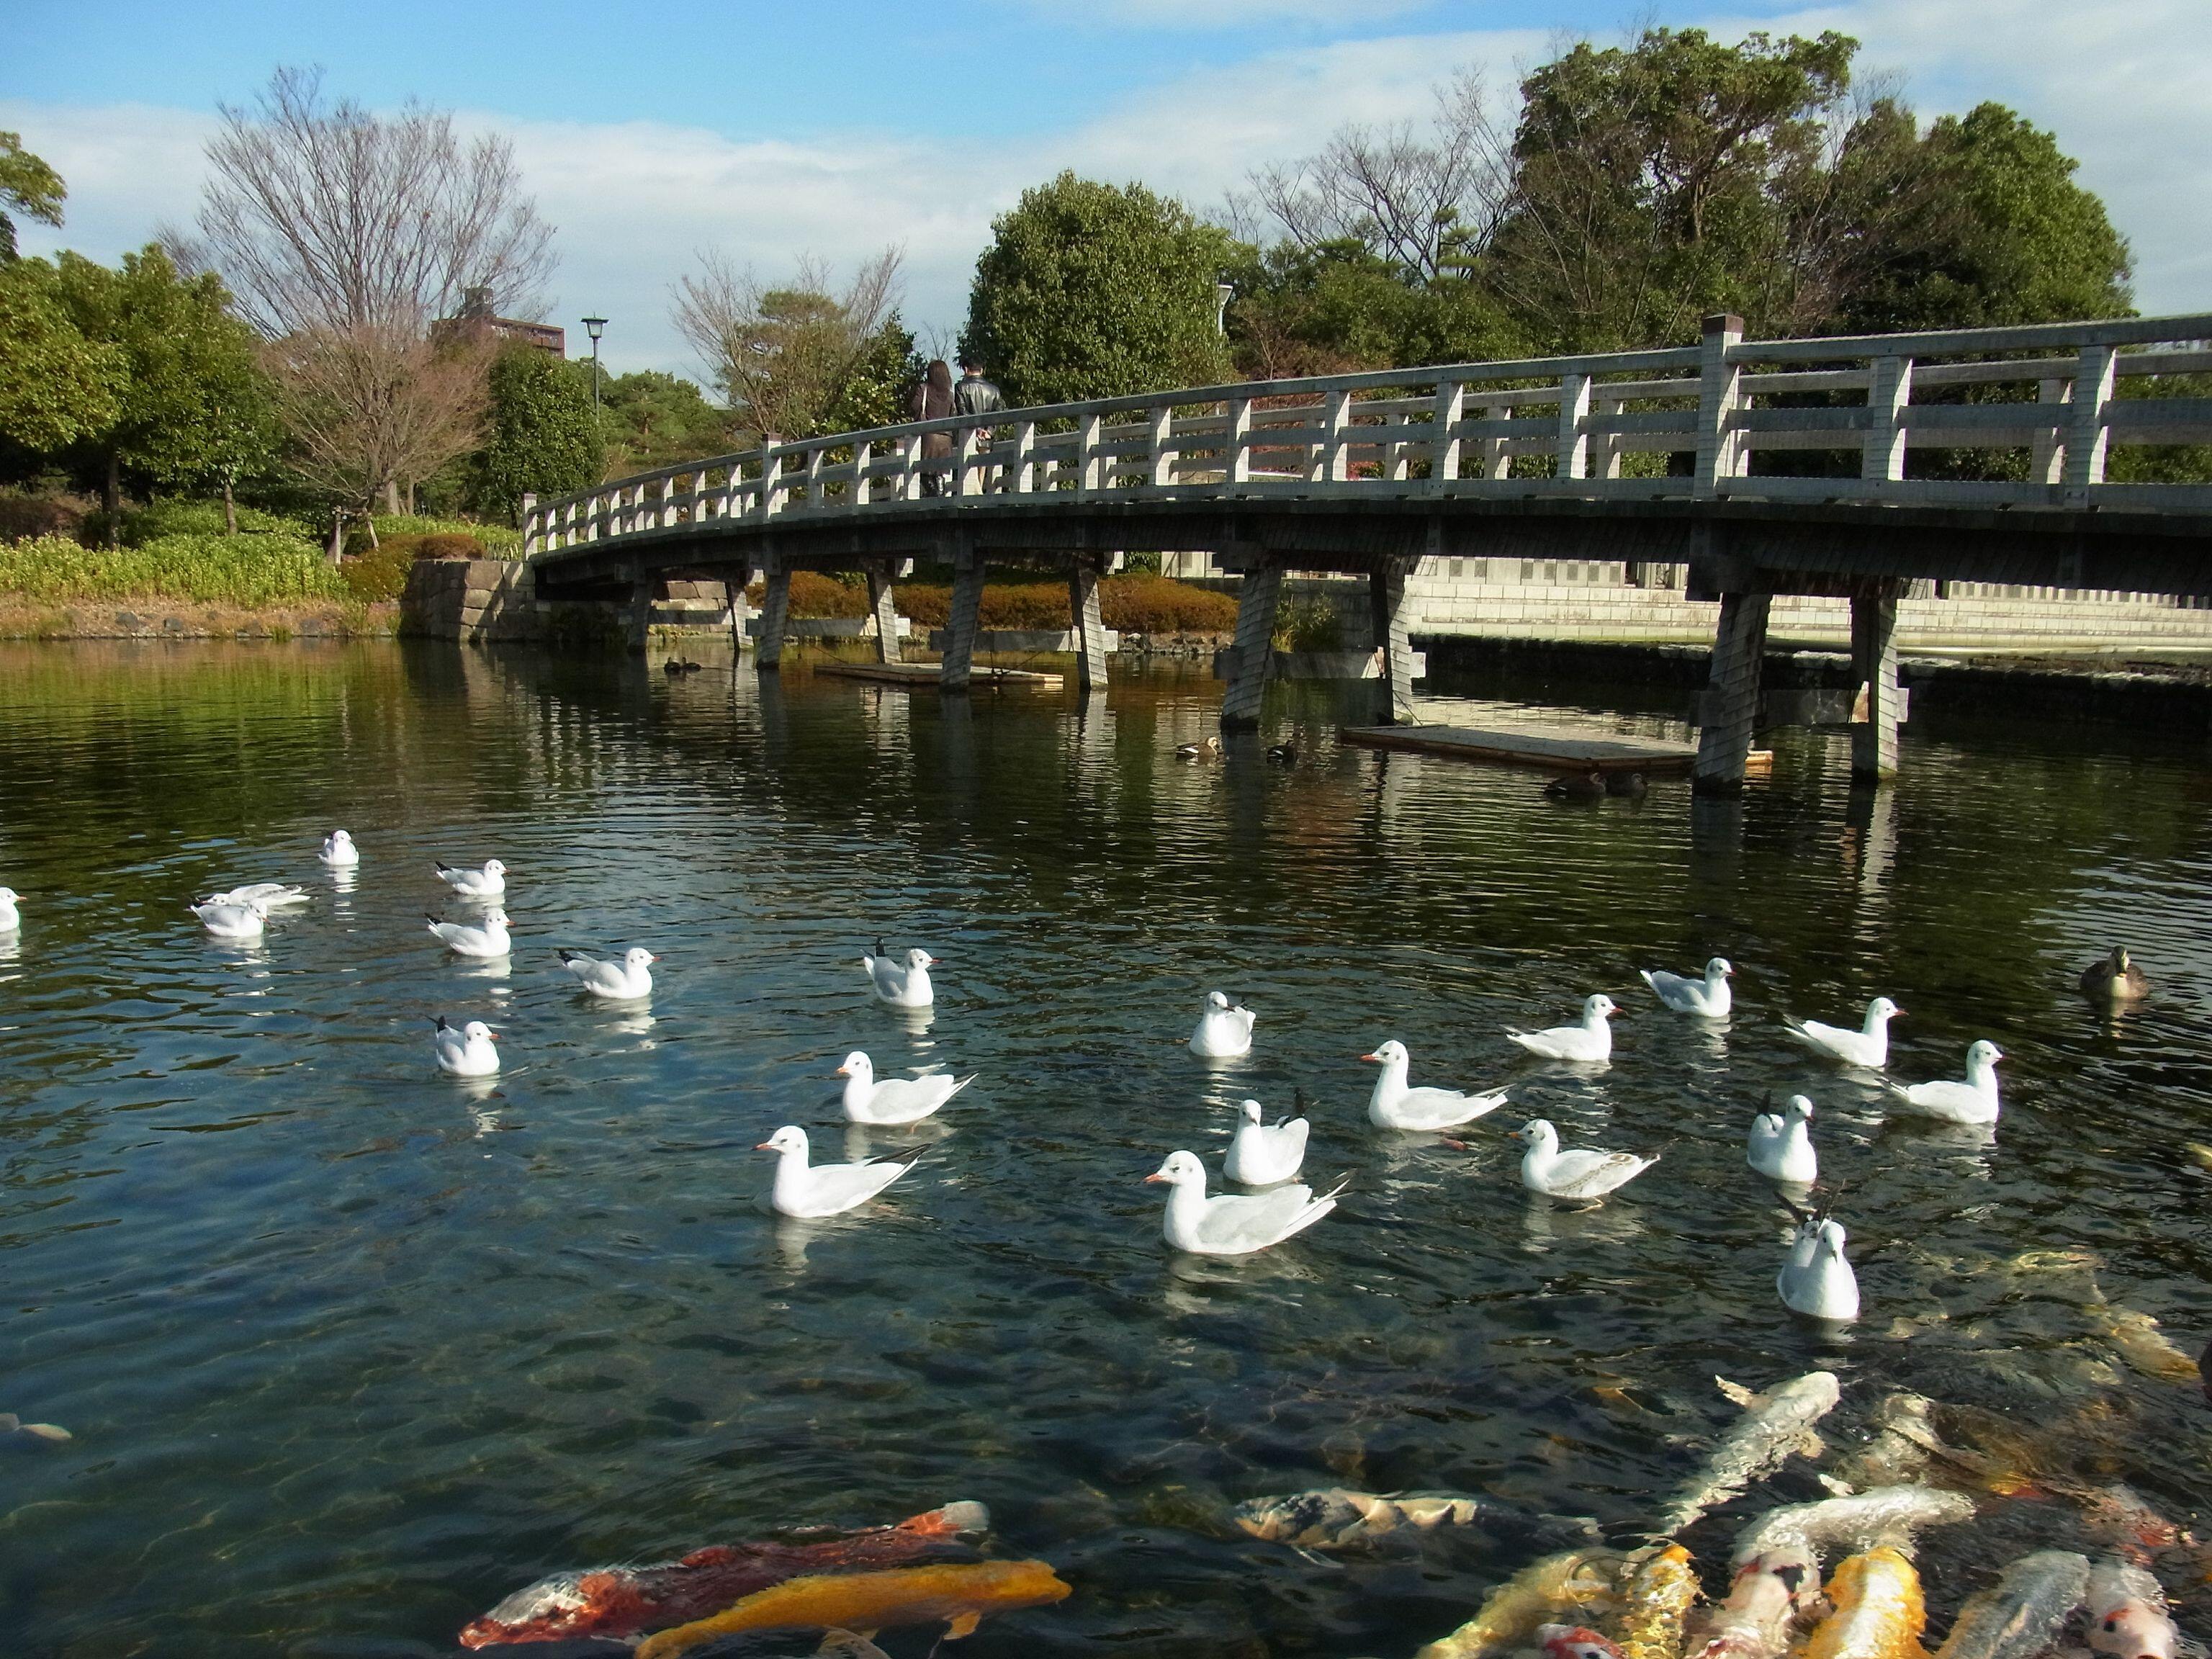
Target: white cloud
x=2127 y=85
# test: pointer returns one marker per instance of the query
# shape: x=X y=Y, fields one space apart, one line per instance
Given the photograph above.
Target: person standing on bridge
x=977 y=396
x=933 y=401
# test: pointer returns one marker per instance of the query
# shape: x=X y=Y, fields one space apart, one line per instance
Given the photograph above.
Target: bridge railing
x=1677 y=422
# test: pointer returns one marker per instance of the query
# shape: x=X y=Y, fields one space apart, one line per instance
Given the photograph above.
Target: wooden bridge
x=1644 y=456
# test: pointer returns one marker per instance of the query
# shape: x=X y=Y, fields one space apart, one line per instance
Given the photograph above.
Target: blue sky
x=771 y=131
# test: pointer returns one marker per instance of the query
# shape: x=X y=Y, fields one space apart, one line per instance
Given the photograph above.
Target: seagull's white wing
x=1537 y=1043
x=1442 y=1109
x=1251 y=1221
x=831 y=1187
x=1683 y=995
x=1583 y=1174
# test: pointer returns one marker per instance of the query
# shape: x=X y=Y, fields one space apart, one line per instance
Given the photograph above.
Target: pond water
x=351 y=1350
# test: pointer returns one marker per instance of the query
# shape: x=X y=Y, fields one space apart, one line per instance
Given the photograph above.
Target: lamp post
x=595 y=326
x=1222 y=294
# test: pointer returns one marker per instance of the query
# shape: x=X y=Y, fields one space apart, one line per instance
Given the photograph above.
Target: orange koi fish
x=1879 y=1611
x=864 y=1601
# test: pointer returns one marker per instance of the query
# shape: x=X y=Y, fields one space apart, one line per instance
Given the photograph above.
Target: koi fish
x=623 y=1603
x=2127 y=1614
x=1886 y=1515
x=1335 y=1518
x=1880 y=1612
x=1573 y=1579
x=1655 y=1606
x=1771 y=1592
x=865 y=1602
x=2146 y=1348
x=12 y=1424
x=2023 y=1615
x=1575 y=1642
x=1774 y=1425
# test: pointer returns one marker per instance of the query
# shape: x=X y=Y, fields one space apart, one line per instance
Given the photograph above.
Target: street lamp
x=595 y=326
x=1222 y=294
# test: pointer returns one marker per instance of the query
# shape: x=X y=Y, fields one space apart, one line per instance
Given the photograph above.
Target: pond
x=350 y=1350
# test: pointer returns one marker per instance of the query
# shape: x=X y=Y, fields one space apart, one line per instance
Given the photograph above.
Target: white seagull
x=1974 y=1100
x=490 y=882
x=902 y=984
x=231 y=920
x=1781 y=1145
x=1590 y=1040
x=1224 y=1030
x=467 y=1052
x=488 y=939
x=339 y=851
x=1707 y=998
x=1234 y=1223
x=269 y=895
x=10 y=917
x=1868 y=1047
x=629 y=980
x=1816 y=1280
x=895 y=1099
x=1575 y=1175
x=1395 y=1106
x=805 y=1190
x=1263 y=1154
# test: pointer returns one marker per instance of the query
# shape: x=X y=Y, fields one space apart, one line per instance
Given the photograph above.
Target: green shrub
x=1142 y=603
x=1309 y=625
x=247 y=571
x=498 y=541
x=814 y=595
x=179 y=518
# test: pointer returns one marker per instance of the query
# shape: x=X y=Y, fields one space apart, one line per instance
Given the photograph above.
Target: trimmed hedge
x=247 y=571
x=1135 y=603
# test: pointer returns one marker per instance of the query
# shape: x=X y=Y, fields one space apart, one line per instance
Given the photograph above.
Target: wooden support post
x=735 y=579
x=1090 y=626
x=1236 y=450
x=1889 y=391
x=2086 y=436
x=1731 y=704
x=776 y=615
x=1574 y=426
x=1332 y=458
x=1249 y=657
x=957 y=663
x=1023 y=472
x=1720 y=395
x=880 y=606
x=1445 y=444
x=1393 y=615
x=1090 y=465
x=2047 y=456
x=533 y=534
x=1873 y=665
x=640 y=621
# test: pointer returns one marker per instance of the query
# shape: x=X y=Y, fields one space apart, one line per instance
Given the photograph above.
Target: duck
x=902 y=984
x=807 y=1191
x=1224 y=1028
x=629 y=980
x=1781 y=1145
x=1233 y=1223
x=1708 y=998
x=1205 y=748
x=1588 y=1042
x=1576 y=786
x=339 y=851
x=487 y=939
x=1283 y=754
x=489 y=881
x=1634 y=784
x=1393 y=1105
x=1974 y=1100
x=11 y=916
x=1869 y=1046
x=1262 y=1154
x=1817 y=1279
x=673 y=666
x=2116 y=979
x=238 y=921
x=467 y=1052
x=894 y=1100
x=1579 y=1173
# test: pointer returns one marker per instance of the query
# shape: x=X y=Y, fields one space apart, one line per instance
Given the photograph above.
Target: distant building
x=477 y=323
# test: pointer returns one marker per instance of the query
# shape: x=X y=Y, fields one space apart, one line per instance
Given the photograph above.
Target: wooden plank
x=1555 y=749
x=925 y=674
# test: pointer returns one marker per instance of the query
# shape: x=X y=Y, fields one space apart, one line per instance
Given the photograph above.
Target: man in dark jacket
x=977 y=396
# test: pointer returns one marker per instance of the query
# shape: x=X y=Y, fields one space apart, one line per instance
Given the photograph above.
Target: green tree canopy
x=544 y=440
x=56 y=387
x=654 y=419
x=28 y=187
x=879 y=382
x=1338 y=307
x=1088 y=290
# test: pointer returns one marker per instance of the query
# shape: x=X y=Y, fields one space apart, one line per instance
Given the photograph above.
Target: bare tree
x=1424 y=200
x=782 y=354
x=344 y=236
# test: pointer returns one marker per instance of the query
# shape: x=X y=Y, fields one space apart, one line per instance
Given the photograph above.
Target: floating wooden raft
x=1558 y=749
x=926 y=674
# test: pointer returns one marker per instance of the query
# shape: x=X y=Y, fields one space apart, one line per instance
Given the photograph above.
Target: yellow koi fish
x=1879 y=1611
x=1537 y=1595
x=958 y=1595
x=1655 y=1606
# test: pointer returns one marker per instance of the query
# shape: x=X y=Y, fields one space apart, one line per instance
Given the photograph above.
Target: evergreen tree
x=543 y=439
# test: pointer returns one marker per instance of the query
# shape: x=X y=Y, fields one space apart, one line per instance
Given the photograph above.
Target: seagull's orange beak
x=765 y=1146
x=841 y=1072
x=1372 y=1059
x=1155 y=1175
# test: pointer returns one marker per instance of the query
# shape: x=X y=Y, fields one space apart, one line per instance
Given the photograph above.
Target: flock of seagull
x=1816 y=1278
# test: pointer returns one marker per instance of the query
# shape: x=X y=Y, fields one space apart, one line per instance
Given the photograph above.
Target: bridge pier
x=1874 y=666
x=1090 y=623
x=637 y=623
x=1254 y=647
x=965 y=617
x=880 y=606
x=1731 y=702
x=1393 y=617
x=775 y=616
